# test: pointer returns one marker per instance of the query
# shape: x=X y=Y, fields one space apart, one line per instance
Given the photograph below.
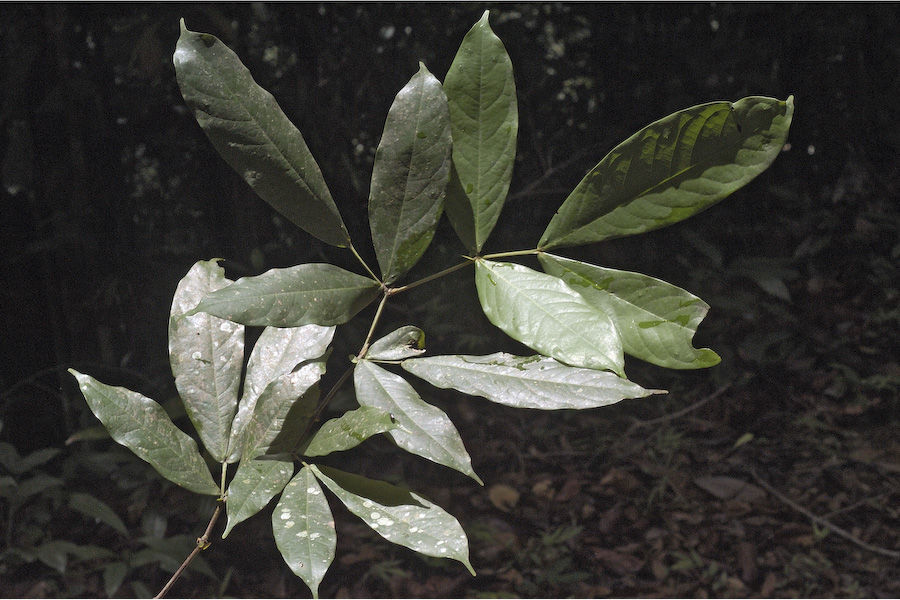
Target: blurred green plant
x=447 y=148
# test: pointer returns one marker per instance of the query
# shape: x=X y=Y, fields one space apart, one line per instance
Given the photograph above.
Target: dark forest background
x=110 y=192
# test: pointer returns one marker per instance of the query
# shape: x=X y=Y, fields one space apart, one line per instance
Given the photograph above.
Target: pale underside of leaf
x=421 y=428
x=656 y=320
x=304 y=529
x=206 y=354
x=416 y=523
x=546 y=315
x=255 y=483
x=141 y=425
x=254 y=136
x=536 y=382
x=672 y=169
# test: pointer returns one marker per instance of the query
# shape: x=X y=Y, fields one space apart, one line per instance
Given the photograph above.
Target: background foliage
x=110 y=192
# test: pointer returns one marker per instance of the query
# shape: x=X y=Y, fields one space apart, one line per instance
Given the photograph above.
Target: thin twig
x=202 y=544
x=824 y=522
x=680 y=413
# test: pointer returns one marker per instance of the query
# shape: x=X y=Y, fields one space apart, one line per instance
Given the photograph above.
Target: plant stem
x=512 y=253
x=375 y=319
x=202 y=544
x=363 y=263
x=432 y=277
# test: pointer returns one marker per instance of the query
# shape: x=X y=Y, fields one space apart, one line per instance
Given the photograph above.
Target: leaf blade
x=537 y=382
x=252 y=134
x=672 y=169
x=546 y=315
x=308 y=294
x=304 y=529
x=656 y=320
x=141 y=425
x=481 y=93
x=253 y=486
x=421 y=428
x=401 y=343
x=348 y=431
x=412 y=167
x=206 y=354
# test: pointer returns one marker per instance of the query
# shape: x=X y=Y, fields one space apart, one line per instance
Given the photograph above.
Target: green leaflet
x=481 y=92
x=348 y=431
x=525 y=382
x=398 y=515
x=672 y=169
x=656 y=320
x=304 y=529
x=141 y=425
x=421 y=428
x=255 y=483
x=98 y=510
x=206 y=354
x=251 y=132
x=317 y=293
x=276 y=353
x=402 y=343
x=548 y=316
x=412 y=165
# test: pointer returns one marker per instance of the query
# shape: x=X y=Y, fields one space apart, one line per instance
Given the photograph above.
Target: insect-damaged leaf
x=525 y=382
x=398 y=515
x=412 y=165
x=656 y=320
x=304 y=529
x=545 y=314
x=206 y=354
x=421 y=428
x=141 y=425
x=251 y=132
x=484 y=119
x=402 y=343
x=672 y=169
x=315 y=293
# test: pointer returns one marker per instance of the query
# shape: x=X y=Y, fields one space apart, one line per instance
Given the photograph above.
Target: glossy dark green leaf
x=398 y=515
x=277 y=352
x=406 y=342
x=282 y=412
x=349 y=430
x=317 y=293
x=421 y=428
x=525 y=382
x=672 y=169
x=656 y=320
x=142 y=426
x=304 y=529
x=412 y=165
x=255 y=483
x=97 y=510
x=548 y=316
x=253 y=135
x=206 y=354
x=484 y=119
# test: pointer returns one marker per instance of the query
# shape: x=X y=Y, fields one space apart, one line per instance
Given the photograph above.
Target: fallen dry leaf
x=503 y=496
x=730 y=488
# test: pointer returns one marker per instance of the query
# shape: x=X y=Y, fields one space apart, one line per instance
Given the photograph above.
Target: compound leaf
x=254 y=484
x=672 y=169
x=548 y=316
x=484 y=120
x=206 y=354
x=141 y=425
x=349 y=430
x=656 y=320
x=398 y=515
x=277 y=352
x=525 y=382
x=304 y=529
x=421 y=428
x=316 y=293
x=412 y=166
x=406 y=342
x=251 y=132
